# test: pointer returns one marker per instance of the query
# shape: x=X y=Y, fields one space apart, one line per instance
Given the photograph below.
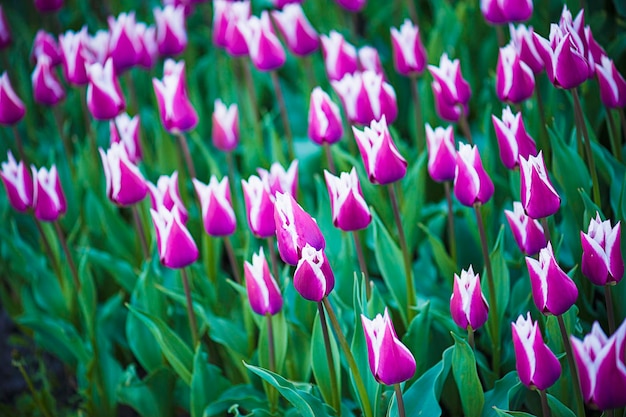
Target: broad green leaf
x=319 y=360
x=498 y=397
x=507 y=413
x=417 y=336
x=244 y=396
x=87 y=296
x=150 y=397
x=558 y=409
x=446 y=266
x=207 y=383
x=119 y=269
x=466 y=377
x=414 y=184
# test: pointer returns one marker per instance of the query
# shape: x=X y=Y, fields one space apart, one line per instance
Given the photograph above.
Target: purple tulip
x=12 y=109
x=279 y=179
x=48 y=197
x=522 y=39
x=125 y=130
x=5 y=32
x=18 y=183
x=340 y=57
x=149 y=50
x=441 y=153
x=602 y=260
x=177 y=248
x=528 y=232
x=165 y=193
x=612 y=84
x=97 y=47
x=409 y=54
x=515 y=81
x=125 y=183
x=352 y=5
x=538 y=195
x=47 y=89
x=105 y=99
x=451 y=91
x=259 y=207
x=366 y=97
x=313 y=277
x=513 y=140
x=281 y=4
x=349 y=208
x=266 y=51
x=468 y=305
x=225 y=128
x=263 y=292
x=595 y=51
x=226 y=16
x=48 y=5
x=301 y=38
x=498 y=12
x=171 y=33
x=74 y=54
x=217 y=208
x=124 y=44
x=472 y=184
x=46 y=44
x=324 y=121
x=177 y=112
x=369 y=60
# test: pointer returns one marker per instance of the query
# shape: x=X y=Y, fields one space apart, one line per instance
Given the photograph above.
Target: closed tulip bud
x=472 y=184
x=125 y=130
x=217 y=208
x=45 y=44
x=528 y=233
x=165 y=193
x=369 y=60
x=522 y=39
x=390 y=361
x=266 y=51
x=170 y=29
x=177 y=248
x=340 y=57
x=441 y=153
x=468 y=305
x=177 y=112
x=124 y=43
x=381 y=158
x=226 y=15
x=301 y=38
x=295 y=229
x=47 y=89
x=602 y=260
x=125 y=183
x=515 y=81
x=595 y=50
x=12 y=108
x=74 y=56
x=225 y=131
x=350 y=211
x=48 y=197
x=313 y=277
x=553 y=291
x=259 y=207
x=263 y=292
x=18 y=183
x=324 y=121
x=612 y=84
x=537 y=367
x=451 y=91
x=513 y=140
x=538 y=195
x=279 y=180
x=238 y=15
x=498 y=12
x=602 y=367
x=149 y=50
x=5 y=32
x=352 y=5
x=48 y=5
x=104 y=95
x=409 y=54
x=354 y=98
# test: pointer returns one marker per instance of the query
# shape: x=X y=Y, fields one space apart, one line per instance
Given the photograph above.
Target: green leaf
x=501 y=278
x=206 y=383
x=506 y=413
x=416 y=335
x=498 y=397
x=445 y=264
x=87 y=296
x=150 y=397
x=466 y=377
x=414 y=184
x=558 y=409
x=119 y=269
x=319 y=361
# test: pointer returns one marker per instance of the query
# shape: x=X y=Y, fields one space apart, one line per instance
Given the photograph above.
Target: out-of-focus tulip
x=409 y=54
x=366 y=97
x=538 y=195
x=48 y=5
x=124 y=42
x=471 y=182
x=177 y=248
x=105 y=99
x=528 y=232
x=48 y=197
x=281 y=4
x=602 y=260
x=12 y=108
x=281 y=180
x=553 y=291
x=300 y=36
x=390 y=361
x=595 y=51
x=441 y=153
x=47 y=89
x=266 y=51
x=498 y=12
x=165 y=193
x=225 y=128
x=74 y=54
x=537 y=367
x=340 y=57
x=324 y=120
x=313 y=277
x=468 y=305
x=513 y=140
x=259 y=207
x=612 y=84
x=188 y=5
x=381 y=158
x=602 y=367
x=18 y=183
x=369 y=60
x=149 y=50
x=295 y=228
x=217 y=208
x=226 y=16
x=125 y=130
x=177 y=112
x=451 y=91
x=263 y=292
x=5 y=32
x=170 y=29
x=125 y=183
x=352 y=5
x=522 y=39
x=515 y=81
x=97 y=47
x=45 y=44
x=350 y=211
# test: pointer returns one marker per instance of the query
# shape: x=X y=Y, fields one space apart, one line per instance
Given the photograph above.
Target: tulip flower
x=528 y=233
x=279 y=180
x=149 y=49
x=104 y=95
x=124 y=43
x=48 y=197
x=352 y=5
x=409 y=54
x=74 y=54
x=381 y=158
x=12 y=108
x=369 y=60
x=471 y=182
x=468 y=305
x=263 y=292
x=125 y=183
x=313 y=277
x=602 y=260
x=441 y=153
x=5 y=32
x=594 y=49
x=97 y=47
x=266 y=51
x=349 y=209
x=612 y=84
x=125 y=130
x=177 y=112
x=390 y=361
x=515 y=81
x=47 y=89
x=504 y=11
x=281 y=4
x=18 y=183
x=538 y=195
x=537 y=367
x=226 y=16
x=324 y=121
x=46 y=44
x=522 y=39
x=340 y=57
x=301 y=38
x=48 y=5
x=259 y=207
x=217 y=208
x=170 y=29
x=165 y=193
x=553 y=291
x=451 y=91
x=602 y=367
x=186 y=4
x=177 y=248
x=295 y=229
x=225 y=128
x=513 y=140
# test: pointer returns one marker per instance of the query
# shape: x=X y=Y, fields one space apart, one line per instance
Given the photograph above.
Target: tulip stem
x=408 y=270
x=191 y=315
x=399 y=400
x=572 y=366
x=419 y=119
x=254 y=107
x=615 y=140
x=500 y=35
x=470 y=337
x=578 y=112
x=546 y=229
x=451 y=232
x=18 y=362
x=336 y=398
x=187 y=154
x=53 y=259
x=545 y=408
x=140 y=232
x=356 y=373
x=329 y=159
x=543 y=137
x=283 y=114
x=232 y=259
x=68 y=255
x=359 y=253
x=66 y=145
x=273 y=258
x=270 y=343
x=464 y=125
x=20 y=145
x=132 y=91
x=610 y=315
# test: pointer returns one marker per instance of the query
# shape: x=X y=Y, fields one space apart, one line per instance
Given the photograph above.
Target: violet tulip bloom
x=74 y=54
x=313 y=277
x=177 y=112
x=97 y=47
x=324 y=120
x=47 y=89
x=125 y=183
x=295 y=229
x=602 y=367
x=171 y=33
x=238 y=15
x=409 y=54
x=149 y=51
x=266 y=51
x=612 y=84
x=281 y=180
x=472 y=184
x=602 y=260
x=522 y=39
x=468 y=305
x=263 y=292
x=225 y=127
x=528 y=232
x=358 y=100
x=105 y=99
x=5 y=32
x=125 y=130
x=451 y=91
x=553 y=291
x=48 y=5
x=12 y=108
x=537 y=367
x=497 y=12
x=281 y=4
x=301 y=38
x=513 y=140
x=390 y=361
x=18 y=183
x=48 y=198
x=349 y=208
x=538 y=195
x=340 y=57
x=369 y=60
x=441 y=153
x=226 y=15
x=515 y=81
x=259 y=207
x=177 y=248
x=165 y=193
x=46 y=44
x=381 y=158
x=124 y=43
x=217 y=207
x=352 y=5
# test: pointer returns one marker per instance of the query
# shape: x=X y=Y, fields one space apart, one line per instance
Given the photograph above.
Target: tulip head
x=177 y=248
x=340 y=57
x=513 y=140
x=539 y=197
x=5 y=32
x=451 y=91
x=527 y=232
x=177 y=112
x=301 y=38
x=281 y=180
x=225 y=131
x=48 y=198
x=468 y=305
x=349 y=209
x=441 y=153
x=166 y=193
x=259 y=207
x=217 y=208
x=602 y=260
x=497 y=12
x=352 y=5
x=612 y=84
x=105 y=99
x=263 y=292
x=125 y=130
x=471 y=182
x=74 y=55
x=171 y=33
x=313 y=277
x=12 y=108
x=149 y=49
x=47 y=89
x=266 y=51
x=515 y=80
x=125 y=185
x=324 y=121
x=45 y=44
x=48 y=5
x=522 y=39
x=409 y=54
x=124 y=43
x=18 y=183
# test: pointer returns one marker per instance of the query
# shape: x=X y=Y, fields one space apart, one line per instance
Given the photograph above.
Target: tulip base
x=572 y=366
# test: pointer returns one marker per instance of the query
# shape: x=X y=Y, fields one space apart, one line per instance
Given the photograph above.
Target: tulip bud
x=48 y=5
x=313 y=277
x=295 y=228
x=390 y=361
x=259 y=207
x=18 y=183
x=45 y=44
x=369 y=60
x=226 y=15
x=12 y=108
x=528 y=232
x=409 y=54
x=177 y=112
x=125 y=183
x=125 y=130
x=537 y=367
x=468 y=305
x=225 y=132
x=513 y=140
x=217 y=208
x=47 y=88
x=522 y=39
x=165 y=193
x=104 y=95
x=612 y=84
x=74 y=56
x=602 y=260
x=350 y=211
x=301 y=38
x=97 y=47
x=5 y=32
x=236 y=44
x=352 y=5
x=515 y=81
x=263 y=292
x=538 y=195
x=279 y=180
x=124 y=43
x=504 y=11
x=595 y=50
x=354 y=98
x=265 y=49
x=381 y=96
x=177 y=248
x=381 y=158
x=553 y=291
x=149 y=49
x=324 y=120
x=451 y=91
x=471 y=182
x=340 y=57
x=48 y=197
x=170 y=29
x=441 y=153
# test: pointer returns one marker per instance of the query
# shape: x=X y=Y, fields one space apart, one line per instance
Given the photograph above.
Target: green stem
x=615 y=140
x=53 y=259
x=273 y=259
x=543 y=135
x=17 y=362
x=270 y=340
x=546 y=229
x=191 y=315
x=187 y=154
x=230 y=251
x=254 y=106
x=610 y=314
x=283 y=114
x=464 y=125
x=572 y=366
x=68 y=255
x=451 y=233
x=544 y=403
x=399 y=400
x=362 y=265
x=329 y=159
x=590 y=160
x=420 y=140
x=470 y=337
x=500 y=35
x=336 y=397
x=20 y=145
x=66 y=145
x=140 y=232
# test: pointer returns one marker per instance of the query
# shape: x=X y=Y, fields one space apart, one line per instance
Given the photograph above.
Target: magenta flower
x=324 y=121
x=259 y=207
x=281 y=4
x=48 y=197
x=149 y=50
x=46 y=44
x=538 y=195
x=279 y=179
x=522 y=39
x=468 y=305
x=313 y=277
x=125 y=130
x=349 y=208
x=74 y=54
x=18 y=183
x=177 y=248
x=369 y=60
x=409 y=54
x=105 y=99
x=12 y=108
x=612 y=84
x=472 y=184
x=48 y=5
x=515 y=81
x=366 y=97
x=225 y=127
x=301 y=38
x=263 y=292
x=340 y=57
x=441 y=153
x=451 y=91
x=177 y=112
x=602 y=260
x=124 y=42
x=226 y=16
x=266 y=51
x=97 y=47
x=47 y=89
x=5 y=32
x=171 y=33
x=504 y=11
x=352 y=5
x=513 y=140
x=165 y=193
x=528 y=232
x=217 y=207
x=125 y=183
